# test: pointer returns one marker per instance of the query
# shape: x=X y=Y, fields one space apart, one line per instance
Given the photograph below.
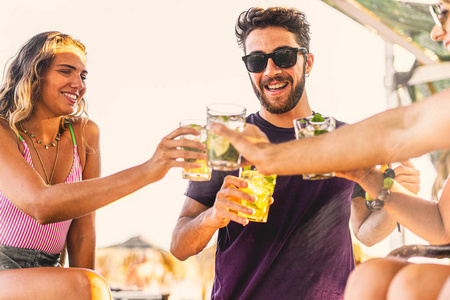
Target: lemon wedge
x=220 y=145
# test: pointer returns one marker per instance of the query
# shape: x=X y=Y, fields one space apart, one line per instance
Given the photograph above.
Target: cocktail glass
x=222 y=156
x=312 y=126
x=204 y=172
x=262 y=187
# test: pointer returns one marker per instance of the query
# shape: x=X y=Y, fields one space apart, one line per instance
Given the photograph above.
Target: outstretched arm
x=394 y=135
x=48 y=204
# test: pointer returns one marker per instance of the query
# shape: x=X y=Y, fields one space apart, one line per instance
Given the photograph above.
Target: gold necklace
x=48 y=180
x=32 y=136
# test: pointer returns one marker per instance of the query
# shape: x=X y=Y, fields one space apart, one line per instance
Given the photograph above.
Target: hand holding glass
x=204 y=172
x=262 y=187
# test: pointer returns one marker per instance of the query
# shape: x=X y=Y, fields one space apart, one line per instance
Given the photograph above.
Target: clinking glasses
x=439 y=14
x=283 y=58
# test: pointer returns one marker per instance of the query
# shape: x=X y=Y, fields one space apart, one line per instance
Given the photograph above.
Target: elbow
x=367 y=242
x=366 y=239
x=175 y=251
x=370 y=240
x=42 y=218
x=182 y=251
x=39 y=211
x=44 y=221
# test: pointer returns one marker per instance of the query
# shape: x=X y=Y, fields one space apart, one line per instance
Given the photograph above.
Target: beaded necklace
x=53 y=144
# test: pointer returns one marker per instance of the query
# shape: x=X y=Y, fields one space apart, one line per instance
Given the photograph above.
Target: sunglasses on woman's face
x=283 y=58
x=439 y=14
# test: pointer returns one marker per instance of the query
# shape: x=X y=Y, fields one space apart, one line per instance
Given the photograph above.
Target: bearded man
x=304 y=251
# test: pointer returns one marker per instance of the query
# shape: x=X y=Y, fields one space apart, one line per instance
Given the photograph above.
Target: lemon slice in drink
x=220 y=145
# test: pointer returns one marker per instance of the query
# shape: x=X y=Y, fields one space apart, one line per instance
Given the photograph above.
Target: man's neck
x=285 y=120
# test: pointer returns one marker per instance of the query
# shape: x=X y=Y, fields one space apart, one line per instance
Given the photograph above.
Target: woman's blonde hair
x=23 y=76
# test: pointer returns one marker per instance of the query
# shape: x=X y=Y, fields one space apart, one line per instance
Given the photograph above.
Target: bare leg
x=371 y=279
x=419 y=282
x=53 y=283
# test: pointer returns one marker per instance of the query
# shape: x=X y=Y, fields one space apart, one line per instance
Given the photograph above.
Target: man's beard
x=291 y=101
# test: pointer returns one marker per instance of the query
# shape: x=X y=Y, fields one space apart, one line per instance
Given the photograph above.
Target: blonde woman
x=50 y=169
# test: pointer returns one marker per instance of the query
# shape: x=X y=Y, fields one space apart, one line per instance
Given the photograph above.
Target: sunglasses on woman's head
x=439 y=14
x=283 y=58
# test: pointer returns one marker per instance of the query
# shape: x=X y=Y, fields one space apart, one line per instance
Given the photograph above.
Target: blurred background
x=154 y=63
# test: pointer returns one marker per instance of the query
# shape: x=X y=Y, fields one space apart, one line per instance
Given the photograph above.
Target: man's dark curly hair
x=291 y=19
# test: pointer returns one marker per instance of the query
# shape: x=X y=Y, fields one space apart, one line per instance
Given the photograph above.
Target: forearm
x=25 y=188
x=369 y=227
x=191 y=235
x=421 y=216
x=72 y=200
x=349 y=147
x=394 y=135
x=418 y=215
x=81 y=242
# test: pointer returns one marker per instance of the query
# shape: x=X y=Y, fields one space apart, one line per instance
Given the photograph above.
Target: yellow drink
x=198 y=174
x=262 y=187
x=204 y=172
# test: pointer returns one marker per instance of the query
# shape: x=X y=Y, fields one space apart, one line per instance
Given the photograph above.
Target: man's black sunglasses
x=283 y=58
x=439 y=14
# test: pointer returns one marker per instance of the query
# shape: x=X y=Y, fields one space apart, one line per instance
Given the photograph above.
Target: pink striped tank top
x=17 y=229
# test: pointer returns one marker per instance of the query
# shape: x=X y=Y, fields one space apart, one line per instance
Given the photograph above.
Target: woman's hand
x=171 y=152
x=405 y=174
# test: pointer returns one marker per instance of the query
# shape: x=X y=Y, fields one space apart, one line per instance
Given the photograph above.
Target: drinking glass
x=312 y=126
x=222 y=156
x=261 y=186
x=204 y=172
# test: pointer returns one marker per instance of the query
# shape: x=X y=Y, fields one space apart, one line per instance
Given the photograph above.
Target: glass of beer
x=204 y=172
x=222 y=156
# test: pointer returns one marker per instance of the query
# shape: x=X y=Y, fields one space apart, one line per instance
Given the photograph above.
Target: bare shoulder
x=86 y=128
x=10 y=145
x=92 y=130
x=6 y=133
x=87 y=125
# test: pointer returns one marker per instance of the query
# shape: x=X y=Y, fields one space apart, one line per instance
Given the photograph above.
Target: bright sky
x=154 y=63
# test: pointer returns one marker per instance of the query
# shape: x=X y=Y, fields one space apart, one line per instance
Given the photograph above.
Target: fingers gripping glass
x=283 y=58
x=439 y=14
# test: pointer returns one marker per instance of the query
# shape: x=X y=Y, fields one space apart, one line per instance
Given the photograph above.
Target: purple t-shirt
x=304 y=251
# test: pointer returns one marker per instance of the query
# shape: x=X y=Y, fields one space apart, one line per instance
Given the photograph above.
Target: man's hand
x=227 y=203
